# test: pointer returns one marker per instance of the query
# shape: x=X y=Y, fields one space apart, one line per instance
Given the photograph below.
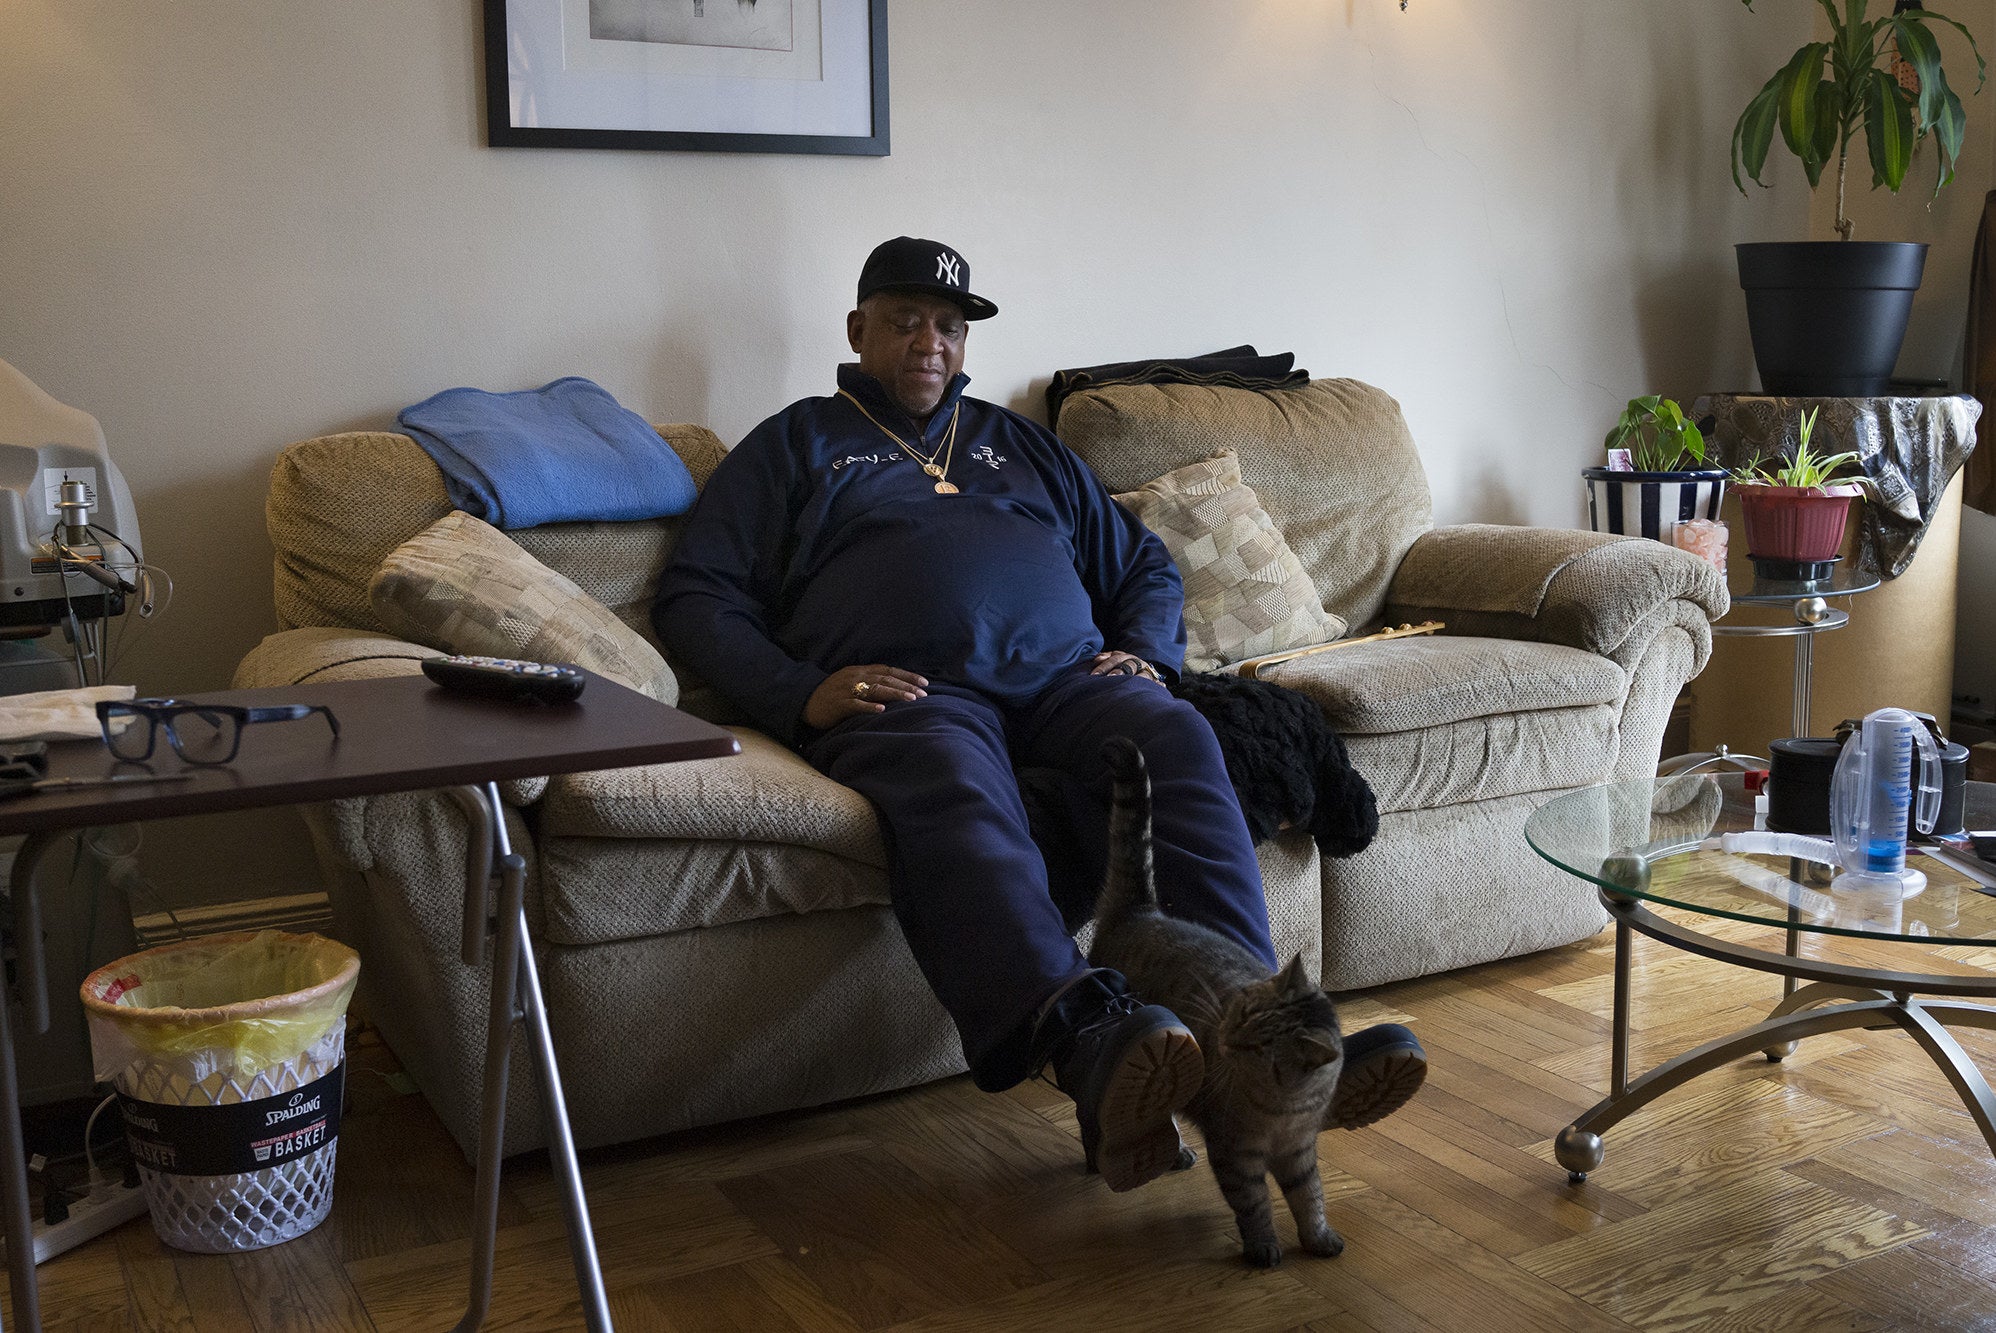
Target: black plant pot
x=1827 y=317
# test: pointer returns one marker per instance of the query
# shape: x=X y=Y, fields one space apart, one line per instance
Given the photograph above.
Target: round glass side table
x=1810 y=615
x=1692 y=844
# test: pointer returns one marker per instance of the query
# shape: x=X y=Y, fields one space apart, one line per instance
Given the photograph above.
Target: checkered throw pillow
x=1246 y=593
x=465 y=587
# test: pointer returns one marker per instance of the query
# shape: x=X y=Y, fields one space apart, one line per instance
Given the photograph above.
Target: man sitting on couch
x=921 y=590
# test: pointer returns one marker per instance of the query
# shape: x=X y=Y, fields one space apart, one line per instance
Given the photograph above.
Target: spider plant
x=1806 y=469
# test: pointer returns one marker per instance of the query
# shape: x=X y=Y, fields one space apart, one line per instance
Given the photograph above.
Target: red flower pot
x=1794 y=522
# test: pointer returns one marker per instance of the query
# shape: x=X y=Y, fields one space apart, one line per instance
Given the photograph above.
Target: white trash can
x=228 y=1054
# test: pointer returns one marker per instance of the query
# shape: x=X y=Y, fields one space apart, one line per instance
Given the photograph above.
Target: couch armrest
x=324 y=653
x=1596 y=591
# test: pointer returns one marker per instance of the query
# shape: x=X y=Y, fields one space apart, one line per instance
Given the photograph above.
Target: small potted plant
x=1666 y=481
x=1794 y=510
x=1827 y=317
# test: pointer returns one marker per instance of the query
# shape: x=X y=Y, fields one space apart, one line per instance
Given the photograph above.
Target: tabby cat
x=1272 y=1045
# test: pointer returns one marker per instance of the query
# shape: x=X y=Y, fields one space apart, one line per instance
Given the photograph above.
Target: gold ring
x=862 y=688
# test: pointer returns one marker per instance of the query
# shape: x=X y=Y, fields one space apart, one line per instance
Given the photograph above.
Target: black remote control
x=507 y=678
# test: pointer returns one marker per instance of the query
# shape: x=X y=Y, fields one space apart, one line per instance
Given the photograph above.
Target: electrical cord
x=94 y=640
x=147 y=592
x=69 y=561
x=121 y=868
x=90 y=1153
x=130 y=629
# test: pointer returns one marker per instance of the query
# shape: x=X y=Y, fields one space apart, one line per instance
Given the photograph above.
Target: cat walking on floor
x=1273 y=1050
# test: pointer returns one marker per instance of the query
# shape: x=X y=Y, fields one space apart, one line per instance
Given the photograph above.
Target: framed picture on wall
x=714 y=76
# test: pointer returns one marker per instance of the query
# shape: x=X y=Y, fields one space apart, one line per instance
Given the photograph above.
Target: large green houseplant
x=1828 y=317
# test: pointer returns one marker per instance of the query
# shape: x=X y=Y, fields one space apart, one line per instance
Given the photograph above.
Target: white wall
x=231 y=225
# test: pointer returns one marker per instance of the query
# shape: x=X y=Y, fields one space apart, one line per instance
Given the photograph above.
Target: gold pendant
x=932 y=470
x=944 y=488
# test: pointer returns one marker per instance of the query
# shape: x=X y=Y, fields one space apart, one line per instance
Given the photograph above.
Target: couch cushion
x=339 y=504
x=1483 y=758
x=1332 y=463
x=631 y=852
x=599 y=890
x=767 y=793
x=1437 y=721
x=463 y=586
x=1245 y=591
x=1407 y=684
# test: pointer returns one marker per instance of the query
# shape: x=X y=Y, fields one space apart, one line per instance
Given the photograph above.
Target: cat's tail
x=1128 y=882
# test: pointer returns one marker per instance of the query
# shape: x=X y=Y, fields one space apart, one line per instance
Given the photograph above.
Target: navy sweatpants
x=970 y=887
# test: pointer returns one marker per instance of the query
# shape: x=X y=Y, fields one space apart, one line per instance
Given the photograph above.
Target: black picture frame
x=501 y=132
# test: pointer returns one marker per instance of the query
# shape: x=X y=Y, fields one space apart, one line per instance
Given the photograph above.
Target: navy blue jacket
x=819 y=544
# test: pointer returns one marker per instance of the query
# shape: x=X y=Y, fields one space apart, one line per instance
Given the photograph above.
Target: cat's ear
x=1294 y=980
x=1316 y=1051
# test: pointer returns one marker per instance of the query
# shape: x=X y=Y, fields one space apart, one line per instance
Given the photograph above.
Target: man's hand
x=1112 y=663
x=853 y=690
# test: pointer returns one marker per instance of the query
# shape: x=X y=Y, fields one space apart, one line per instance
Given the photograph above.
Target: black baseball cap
x=908 y=263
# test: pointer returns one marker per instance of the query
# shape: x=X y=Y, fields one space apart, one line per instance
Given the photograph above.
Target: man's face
x=912 y=344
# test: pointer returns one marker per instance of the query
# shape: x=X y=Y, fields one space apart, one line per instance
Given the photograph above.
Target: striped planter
x=1651 y=504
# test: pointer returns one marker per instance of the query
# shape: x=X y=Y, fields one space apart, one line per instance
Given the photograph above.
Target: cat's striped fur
x=1272 y=1045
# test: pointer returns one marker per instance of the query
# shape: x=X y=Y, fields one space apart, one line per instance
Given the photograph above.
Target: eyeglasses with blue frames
x=199 y=733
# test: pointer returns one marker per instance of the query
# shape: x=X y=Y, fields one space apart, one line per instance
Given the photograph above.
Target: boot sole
x=1377 y=1089
x=1139 y=1139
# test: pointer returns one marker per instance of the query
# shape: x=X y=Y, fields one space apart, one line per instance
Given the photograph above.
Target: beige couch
x=714 y=937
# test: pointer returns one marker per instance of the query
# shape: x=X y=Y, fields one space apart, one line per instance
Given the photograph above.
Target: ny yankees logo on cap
x=908 y=263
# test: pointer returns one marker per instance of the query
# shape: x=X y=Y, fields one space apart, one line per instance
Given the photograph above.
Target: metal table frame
x=1838 y=997
x=1812 y=616
x=622 y=731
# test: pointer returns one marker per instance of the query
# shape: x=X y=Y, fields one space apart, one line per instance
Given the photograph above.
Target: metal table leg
x=1618 y=1064
x=1837 y=997
x=1578 y=1147
x=1805 y=657
x=516 y=995
x=19 y=1223
x=20 y=1226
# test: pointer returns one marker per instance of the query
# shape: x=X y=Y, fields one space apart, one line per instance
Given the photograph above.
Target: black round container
x=1793 y=571
x=1827 y=317
x=1798 y=783
x=1954 y=790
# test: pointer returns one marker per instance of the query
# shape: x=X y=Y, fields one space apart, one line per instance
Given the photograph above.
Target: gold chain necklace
x=945 y=451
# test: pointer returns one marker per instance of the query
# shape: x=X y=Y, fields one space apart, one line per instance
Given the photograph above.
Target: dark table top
x=398 y=733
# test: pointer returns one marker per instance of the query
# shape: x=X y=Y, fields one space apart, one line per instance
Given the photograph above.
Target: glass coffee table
x=1687 y=842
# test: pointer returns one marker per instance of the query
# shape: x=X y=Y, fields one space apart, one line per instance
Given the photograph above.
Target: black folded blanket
x=1288 y=767
x=1234 y=367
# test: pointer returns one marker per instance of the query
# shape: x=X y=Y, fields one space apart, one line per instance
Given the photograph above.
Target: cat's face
x=1282 y=1032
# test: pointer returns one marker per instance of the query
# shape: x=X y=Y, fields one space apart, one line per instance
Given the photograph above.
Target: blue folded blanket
x=566 y=451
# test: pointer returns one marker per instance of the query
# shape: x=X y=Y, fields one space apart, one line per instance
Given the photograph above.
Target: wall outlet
x=110 y=1203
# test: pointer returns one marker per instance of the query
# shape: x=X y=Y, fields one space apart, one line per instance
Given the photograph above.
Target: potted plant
x=1793 y=510
x=1666 y=481
x=1827 y=317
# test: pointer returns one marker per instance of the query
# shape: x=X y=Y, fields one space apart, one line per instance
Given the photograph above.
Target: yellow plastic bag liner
x=243 y=1002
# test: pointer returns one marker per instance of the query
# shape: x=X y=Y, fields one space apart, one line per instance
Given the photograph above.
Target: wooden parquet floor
x=1843 y=1189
